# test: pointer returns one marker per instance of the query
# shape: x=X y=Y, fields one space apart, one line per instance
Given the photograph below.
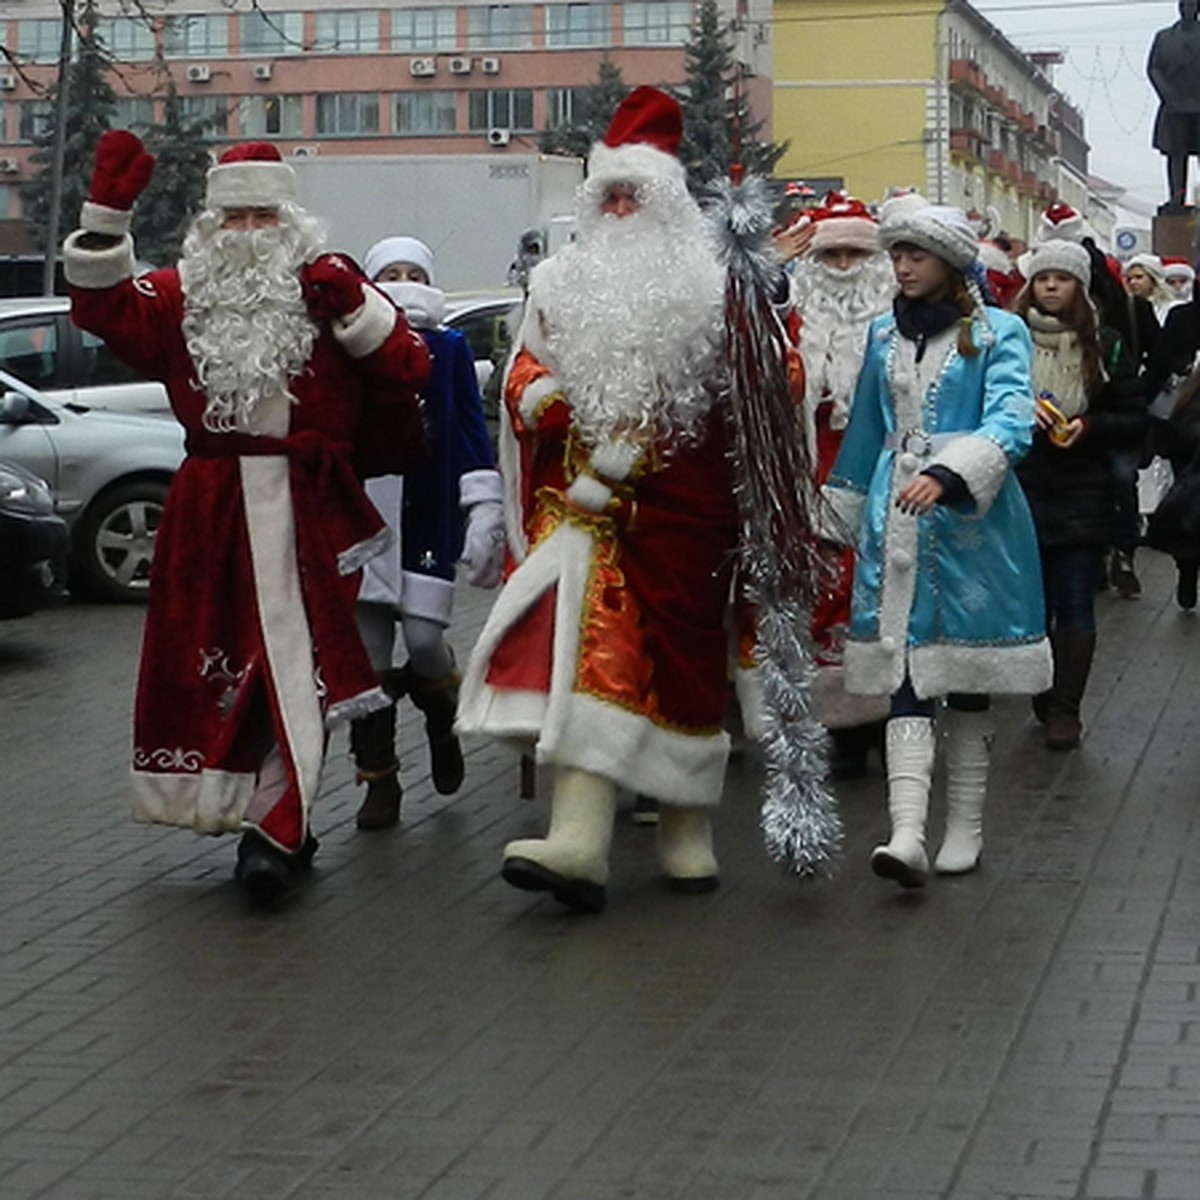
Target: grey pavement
x=412 y=1027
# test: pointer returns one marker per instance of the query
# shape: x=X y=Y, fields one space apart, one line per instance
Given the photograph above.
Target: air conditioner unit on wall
x=422 y=67
x=198 y=73
x=459 y=66
x=305 y=151
x=498 y=137
x=490 y=66
x=262 y=70
x=9 y=166
x=8 y=81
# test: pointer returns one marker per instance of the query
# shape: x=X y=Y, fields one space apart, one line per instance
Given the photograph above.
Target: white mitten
x=483 y=546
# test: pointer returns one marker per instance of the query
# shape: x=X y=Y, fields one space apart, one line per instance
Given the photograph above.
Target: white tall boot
x=968 y=755
x=910 y=749
x=685 y=849
x=572 y=859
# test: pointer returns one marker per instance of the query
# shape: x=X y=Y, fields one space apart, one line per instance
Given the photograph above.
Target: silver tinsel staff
x=776 y=500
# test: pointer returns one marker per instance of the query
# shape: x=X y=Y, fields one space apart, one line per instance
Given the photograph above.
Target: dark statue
x=1172 y=67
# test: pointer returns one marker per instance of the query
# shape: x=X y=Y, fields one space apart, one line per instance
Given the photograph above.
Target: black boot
x=438 y=700
x=1073 y=651
x=1122 y=575
x=848 y=750
x=1185 y=583
x=373 y=745
x=266 y=873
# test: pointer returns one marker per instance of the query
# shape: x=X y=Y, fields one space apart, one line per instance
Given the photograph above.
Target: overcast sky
x=1105 y=43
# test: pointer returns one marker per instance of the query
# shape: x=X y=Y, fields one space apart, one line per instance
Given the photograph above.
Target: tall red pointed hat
x=642 y=140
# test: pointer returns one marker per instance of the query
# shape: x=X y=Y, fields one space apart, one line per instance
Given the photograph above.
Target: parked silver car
x=109 y=472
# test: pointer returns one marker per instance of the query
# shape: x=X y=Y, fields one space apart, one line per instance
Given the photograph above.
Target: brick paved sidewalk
x=412 y=1027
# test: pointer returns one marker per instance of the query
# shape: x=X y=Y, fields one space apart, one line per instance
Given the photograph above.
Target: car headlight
x=25 y=493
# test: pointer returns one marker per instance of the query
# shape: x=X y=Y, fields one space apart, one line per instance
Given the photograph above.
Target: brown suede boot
x=1073 y=653
x=373 y=744
x=438 y=700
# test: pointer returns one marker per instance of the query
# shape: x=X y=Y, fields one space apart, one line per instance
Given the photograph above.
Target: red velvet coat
x=250 y=642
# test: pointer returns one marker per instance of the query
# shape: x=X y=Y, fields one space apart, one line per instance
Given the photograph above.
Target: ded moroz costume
x=271 y=352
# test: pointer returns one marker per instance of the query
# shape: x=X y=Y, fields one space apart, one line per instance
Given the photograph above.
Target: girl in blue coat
x=445 y=512
x=947 y=599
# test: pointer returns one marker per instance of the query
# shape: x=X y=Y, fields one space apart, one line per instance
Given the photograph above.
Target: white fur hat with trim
x=252 y=175
x=399 y=250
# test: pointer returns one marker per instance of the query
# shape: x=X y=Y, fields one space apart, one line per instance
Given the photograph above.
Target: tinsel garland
x=782 y=566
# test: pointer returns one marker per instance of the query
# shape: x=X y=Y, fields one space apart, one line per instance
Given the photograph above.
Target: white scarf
x=1057 y=363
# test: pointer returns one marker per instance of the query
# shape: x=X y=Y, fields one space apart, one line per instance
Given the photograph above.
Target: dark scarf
x=919 y=320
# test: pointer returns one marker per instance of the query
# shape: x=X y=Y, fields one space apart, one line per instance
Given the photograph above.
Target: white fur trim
x=1022 y=669
x=614 y=460
x=427 y=596
x=365 y=330
x=633 y=163
x=477 y=487
x=95 y=270
x=270 y=524
x=99 y=218
x=980 y=463
x=837 y=708
x=839 y=517
x=361 y=705
x=588 y=492
x=250 y=184
x=534 y=396
x=747 y=685
x=355 y=557
x=208 y=802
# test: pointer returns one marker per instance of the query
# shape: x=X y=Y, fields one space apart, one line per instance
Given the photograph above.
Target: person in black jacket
x=1090 y=407
x=1175 y=436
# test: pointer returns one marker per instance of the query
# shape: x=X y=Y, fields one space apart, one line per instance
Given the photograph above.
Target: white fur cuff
x=981 y=464
x=97 y=269
x=99 y=218
x=586 y=491
x=614 y=460
x=476 y=487
x=364 y=331
x=536 y=395
x=839 y=515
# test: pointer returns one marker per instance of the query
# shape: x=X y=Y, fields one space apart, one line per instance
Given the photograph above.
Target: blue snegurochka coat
x=953 y=598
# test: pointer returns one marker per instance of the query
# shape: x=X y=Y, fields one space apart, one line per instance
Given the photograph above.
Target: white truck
x=470 y=209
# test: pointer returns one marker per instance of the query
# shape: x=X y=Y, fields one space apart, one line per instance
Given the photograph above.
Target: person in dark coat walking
x=1090 y=407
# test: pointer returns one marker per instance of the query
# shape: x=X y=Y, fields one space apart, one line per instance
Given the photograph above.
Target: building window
x=39 y=40
x=212 y=112
x=346 y=114
x=6 y=194
x=196 y=37
x=270 y=116
x=35 y=118
x=500 y=27
x=133 y=112
x=262 y=33
x=415 y=29
x=500 y=108
x=563 y=106
x=578 y=25
x=347 y=32
x=127 y=39
x=656 y=22
x=425 y=113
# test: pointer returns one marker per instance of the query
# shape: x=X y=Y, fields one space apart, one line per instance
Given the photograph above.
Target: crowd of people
x=976 y=414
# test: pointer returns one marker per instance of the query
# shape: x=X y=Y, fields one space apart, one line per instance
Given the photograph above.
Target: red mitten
x=121 y=170
x=333 y=287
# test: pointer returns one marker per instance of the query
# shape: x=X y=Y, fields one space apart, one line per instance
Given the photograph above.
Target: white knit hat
x=897 y=202
x=1058 y=254
x=938 y=228
x=399 y=250
x=1150 y=263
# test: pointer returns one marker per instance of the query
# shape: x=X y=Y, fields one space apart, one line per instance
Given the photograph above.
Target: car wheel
x=115 y=542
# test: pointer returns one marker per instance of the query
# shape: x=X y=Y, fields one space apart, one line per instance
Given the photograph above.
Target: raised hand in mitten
x=120 y=171
x=333 y=287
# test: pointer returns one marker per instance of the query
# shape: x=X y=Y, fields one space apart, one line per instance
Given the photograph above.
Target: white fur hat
x=251 y=175
x=1060 y=222
x=399 y=250
x=898 y=202
x=1150 y=263
x=641 y=142
x=1058 y=254
x=938 y=228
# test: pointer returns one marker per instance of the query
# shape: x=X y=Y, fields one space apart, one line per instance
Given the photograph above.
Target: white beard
x=244 y=319
x=630 y=320
x=835 y=308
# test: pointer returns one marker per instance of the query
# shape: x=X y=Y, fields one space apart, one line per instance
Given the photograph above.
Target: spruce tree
x=596 y=106
x=91 y=106
x=175 y=192
x=718 y=124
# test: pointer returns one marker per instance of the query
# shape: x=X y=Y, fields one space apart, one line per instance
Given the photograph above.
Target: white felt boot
x=685 y=849
x=910 y=749
x=572 y=859
x=968 y=756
